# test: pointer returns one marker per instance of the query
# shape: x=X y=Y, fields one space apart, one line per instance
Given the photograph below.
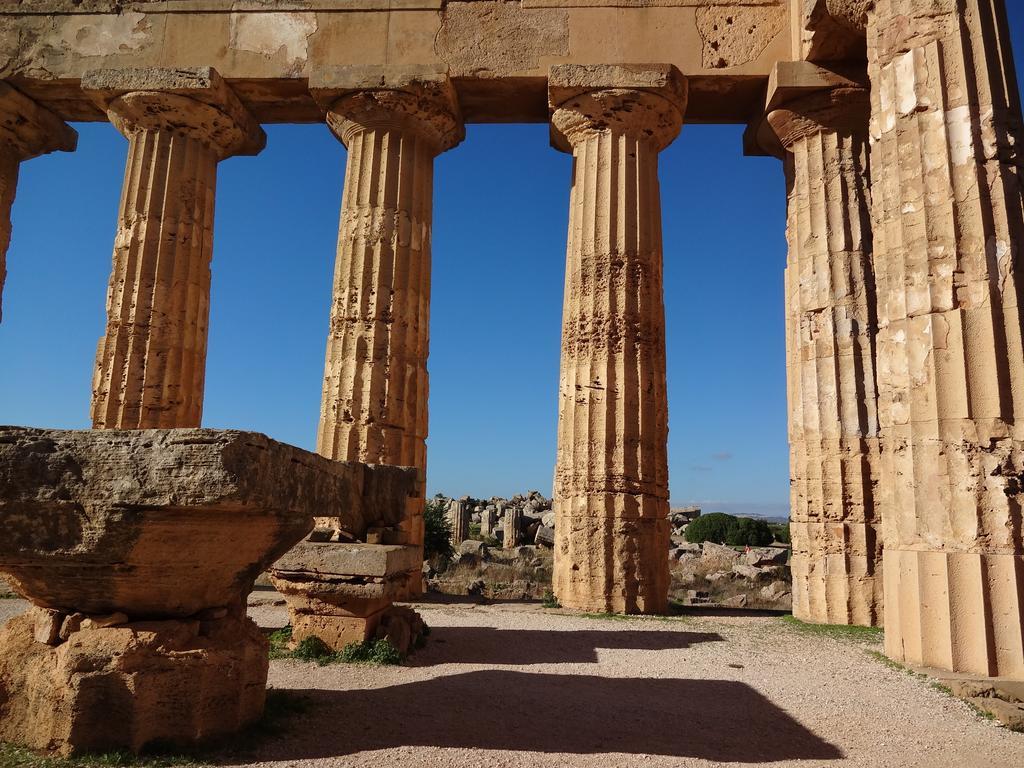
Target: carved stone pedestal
x=339 y=593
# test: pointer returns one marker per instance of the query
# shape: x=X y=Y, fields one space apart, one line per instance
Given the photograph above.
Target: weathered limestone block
x=458 y=519
x=340 y=592
x=514 y=535
x=27 y=130
x=169 y=682
x=949 y=225
x=611 y=475
x=138 y=549
x=151 y=362
x=831 y=326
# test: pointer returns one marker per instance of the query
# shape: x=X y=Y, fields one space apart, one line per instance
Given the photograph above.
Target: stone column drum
x=513 y=528
x=374 y=406
x=151 y=362
x=458 y=518
x=27 y=130
x=611 y=474
x=830 y=337
x=949 y=225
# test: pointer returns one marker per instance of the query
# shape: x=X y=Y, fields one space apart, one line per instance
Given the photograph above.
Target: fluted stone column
x=151 y=362
x=458 y=519
x=374 y=406
x=611 y=475
x=27 y=130
x=512 y=528
x=830 y=339
x=949 y=225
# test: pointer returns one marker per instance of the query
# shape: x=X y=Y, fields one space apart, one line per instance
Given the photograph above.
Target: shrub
x=713 y=528
x=747 y=531
x=437 y=537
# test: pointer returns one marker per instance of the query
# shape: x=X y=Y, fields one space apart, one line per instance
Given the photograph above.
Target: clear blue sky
x=500 y=219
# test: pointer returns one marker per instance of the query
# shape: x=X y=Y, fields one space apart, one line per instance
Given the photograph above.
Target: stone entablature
x=497 y=53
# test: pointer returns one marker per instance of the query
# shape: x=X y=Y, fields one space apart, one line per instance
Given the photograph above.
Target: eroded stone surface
x=174 y=683
x=830 y=334
x=948 y=224
x=158 y=523
x=611 y=475
x=151 y=362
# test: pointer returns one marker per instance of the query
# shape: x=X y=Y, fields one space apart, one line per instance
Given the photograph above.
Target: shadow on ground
x=484 y=645
x=715 y=720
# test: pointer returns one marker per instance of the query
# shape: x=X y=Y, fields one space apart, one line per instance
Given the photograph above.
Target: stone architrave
x=948 y=229
x=393 y=123
x=611 y=474
x=513 y=535
x=151 y=362
x=458 y=519
x=27 y=130
x=830 y=337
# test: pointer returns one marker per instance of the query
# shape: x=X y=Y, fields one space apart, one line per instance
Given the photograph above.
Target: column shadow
x=485 y=645
x=715 y=720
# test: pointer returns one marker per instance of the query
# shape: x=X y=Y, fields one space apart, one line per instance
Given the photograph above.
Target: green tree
x=745 y=531
x=713 y=527
x=437 y=536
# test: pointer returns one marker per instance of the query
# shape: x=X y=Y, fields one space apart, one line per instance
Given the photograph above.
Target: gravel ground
x=513 y=685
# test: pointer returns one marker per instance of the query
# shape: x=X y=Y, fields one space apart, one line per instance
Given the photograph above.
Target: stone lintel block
x=334 y=559
x=328 y=84
x=30 y=129
x=567 y=81
x=241 y=134
x=164 y=523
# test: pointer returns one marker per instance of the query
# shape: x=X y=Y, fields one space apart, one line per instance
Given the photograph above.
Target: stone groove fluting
x=830 y=339
x=151 y=362
x=27 y=130
x=948 y=223
x=374 y=406
x=611 y=473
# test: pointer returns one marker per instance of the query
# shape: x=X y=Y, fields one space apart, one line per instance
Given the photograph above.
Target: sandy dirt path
x=518 y=686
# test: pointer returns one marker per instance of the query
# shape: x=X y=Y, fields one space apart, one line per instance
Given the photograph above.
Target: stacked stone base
x=341 y=593
x=960 y=611
x=611 y=564
x=133 y=686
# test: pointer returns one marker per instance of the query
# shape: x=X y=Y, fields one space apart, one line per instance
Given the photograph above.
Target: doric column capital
x=196 y=103
x=30 y=129
x=837 y=110
x=416 y=100
x=644 y=102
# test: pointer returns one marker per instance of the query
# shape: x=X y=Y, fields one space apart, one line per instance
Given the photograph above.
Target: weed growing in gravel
x=379 y=652
x=836 y=631
x=8 y=596
x=19 y=757
x=629 y=617
x=550 y=601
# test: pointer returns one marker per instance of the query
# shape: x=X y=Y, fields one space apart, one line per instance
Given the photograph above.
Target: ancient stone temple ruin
x=897 y=123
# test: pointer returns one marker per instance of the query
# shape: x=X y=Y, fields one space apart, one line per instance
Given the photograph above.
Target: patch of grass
x=836 y=631
x=630 y=617
x=9 y=596
x=377 y=652
x=12 y=756
x=550 y=601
